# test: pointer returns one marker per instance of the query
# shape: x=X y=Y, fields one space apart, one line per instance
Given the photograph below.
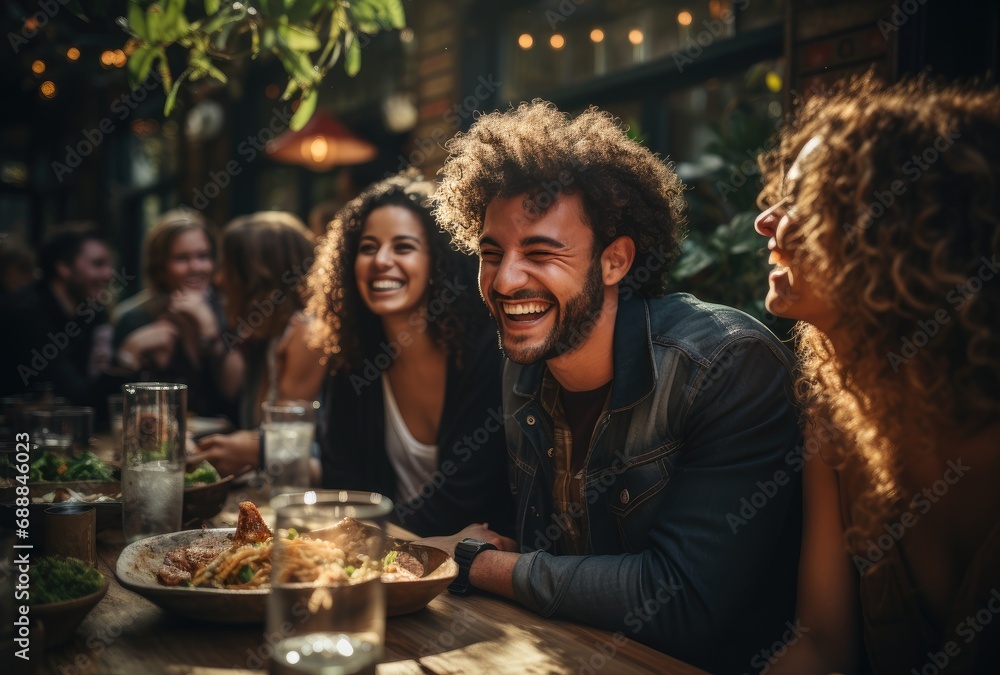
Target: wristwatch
x=465 y=552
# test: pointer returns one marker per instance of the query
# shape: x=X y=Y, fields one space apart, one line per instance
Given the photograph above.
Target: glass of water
x=287 y=433
x=326 y=610
x=153 y=426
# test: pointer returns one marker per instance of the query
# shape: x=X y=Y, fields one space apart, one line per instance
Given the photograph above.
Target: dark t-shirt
x=582 y=410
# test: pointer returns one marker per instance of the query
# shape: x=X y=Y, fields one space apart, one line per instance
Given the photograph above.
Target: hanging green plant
x=307 y=36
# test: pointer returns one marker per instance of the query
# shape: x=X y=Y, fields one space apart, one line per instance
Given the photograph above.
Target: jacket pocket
x=638 y=484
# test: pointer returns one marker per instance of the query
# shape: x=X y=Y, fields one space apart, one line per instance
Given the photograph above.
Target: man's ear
x=616 y=260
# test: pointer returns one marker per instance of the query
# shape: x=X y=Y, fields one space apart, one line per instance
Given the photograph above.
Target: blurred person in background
x=263 y=260
x=175 y=335
x=883 y=221
x=413 y=407
x=56 y=328
x=17 y=264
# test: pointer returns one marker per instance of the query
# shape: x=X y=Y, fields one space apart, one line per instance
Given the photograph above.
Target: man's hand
x=234 y=453
x=478 y=531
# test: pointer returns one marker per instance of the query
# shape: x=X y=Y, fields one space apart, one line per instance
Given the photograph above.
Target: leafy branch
x=307 y=36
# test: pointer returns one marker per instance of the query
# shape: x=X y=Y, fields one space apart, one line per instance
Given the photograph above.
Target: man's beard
x=574 y=324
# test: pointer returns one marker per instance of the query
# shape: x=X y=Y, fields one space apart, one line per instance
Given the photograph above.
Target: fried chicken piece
x=250 y=526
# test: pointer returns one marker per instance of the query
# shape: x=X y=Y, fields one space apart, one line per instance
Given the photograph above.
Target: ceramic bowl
x=204 y=501
x=61 y=619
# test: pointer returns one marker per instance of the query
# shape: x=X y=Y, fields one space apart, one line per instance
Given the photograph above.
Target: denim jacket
x=692 y=488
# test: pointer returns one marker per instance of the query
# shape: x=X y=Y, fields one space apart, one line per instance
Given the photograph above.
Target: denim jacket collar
x=634 y=375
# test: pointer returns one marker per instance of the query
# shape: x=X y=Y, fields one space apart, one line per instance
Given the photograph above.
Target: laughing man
x=653 y=442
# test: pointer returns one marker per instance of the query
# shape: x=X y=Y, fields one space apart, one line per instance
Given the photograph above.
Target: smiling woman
x=174 y=334
x=900 y=375
x=416 y=370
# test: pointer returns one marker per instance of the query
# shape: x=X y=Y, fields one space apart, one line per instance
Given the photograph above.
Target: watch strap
x=465 y=552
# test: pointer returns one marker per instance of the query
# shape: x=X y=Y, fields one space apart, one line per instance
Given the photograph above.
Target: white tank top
x=414 y=462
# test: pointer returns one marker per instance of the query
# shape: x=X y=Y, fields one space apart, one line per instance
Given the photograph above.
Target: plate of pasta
x=223 y=575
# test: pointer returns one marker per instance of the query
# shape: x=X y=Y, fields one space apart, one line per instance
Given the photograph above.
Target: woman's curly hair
x=346 y=330
x=537 y=151
x=897 y=225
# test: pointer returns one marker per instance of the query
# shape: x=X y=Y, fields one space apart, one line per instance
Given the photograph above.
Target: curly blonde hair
x=347 y=331
x=898 y=220
x=537 y=151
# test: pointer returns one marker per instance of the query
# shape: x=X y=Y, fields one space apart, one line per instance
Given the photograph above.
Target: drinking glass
x=63 y=430
x=80 y=422
x=153 y=458
x=326 y=610
x=287 y=434
x=116 y=404
x=51 y=431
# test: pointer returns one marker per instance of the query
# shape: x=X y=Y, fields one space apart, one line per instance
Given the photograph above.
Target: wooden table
x=127 y=634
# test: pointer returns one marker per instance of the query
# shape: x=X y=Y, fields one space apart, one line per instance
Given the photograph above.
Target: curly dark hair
x=896 y=221
x=346 y=329
x=537 y=151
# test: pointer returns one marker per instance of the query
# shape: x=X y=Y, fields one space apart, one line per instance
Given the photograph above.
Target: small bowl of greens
x=205 y=492
x=63 y=591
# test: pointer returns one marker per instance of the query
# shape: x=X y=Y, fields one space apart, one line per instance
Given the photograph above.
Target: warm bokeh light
x=557 y=41
x=107 y=59
x=48 y=89
x=406 y=35
x=635 y=36
x=773 y=81
x=131 y=46
x=684 y=18
x=38 y=66
x=72 y=54
x=30 y=24
x=715 y=8
x=525 y=41
x=119 y=58
x=272 y=91
x=597 y=35
x=316 y=150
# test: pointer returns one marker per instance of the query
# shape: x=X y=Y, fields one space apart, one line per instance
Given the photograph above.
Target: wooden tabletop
x=127 y=634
